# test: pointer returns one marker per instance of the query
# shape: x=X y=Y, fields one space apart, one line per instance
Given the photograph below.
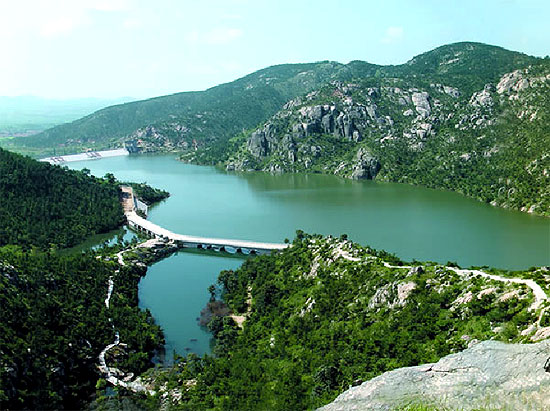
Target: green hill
x=54 y=317
x=43 y=205
x=326 y=314
x=467 y=117
x=185 y=120
x=176 y=120
x=55 y=324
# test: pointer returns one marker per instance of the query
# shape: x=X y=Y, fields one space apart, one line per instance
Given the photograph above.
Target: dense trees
x=43 y=205
x=312 y=332
x=54 y=320
x=149 y=195
x=55 y=323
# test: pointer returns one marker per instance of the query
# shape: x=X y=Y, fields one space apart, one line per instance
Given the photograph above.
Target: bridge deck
x=136 y=220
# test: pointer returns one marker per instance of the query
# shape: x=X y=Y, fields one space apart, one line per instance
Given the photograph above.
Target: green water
x=412 y=222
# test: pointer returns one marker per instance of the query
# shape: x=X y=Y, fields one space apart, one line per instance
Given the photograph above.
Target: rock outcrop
x=483 y=98
x=489 y=375
x=407 y=130
x=421 y=103
x=327 y=119
x=367 y=166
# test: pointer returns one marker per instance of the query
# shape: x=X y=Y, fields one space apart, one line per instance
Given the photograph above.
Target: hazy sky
x=142 y=48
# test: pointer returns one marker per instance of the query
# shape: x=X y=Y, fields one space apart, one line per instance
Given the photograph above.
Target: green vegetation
x=149 y=195
x=496 y=151
x=54 y=318
x=184 y=120
x=502 y=163
x=466 y=65
x=326 y=314
x=179 y=121
x=43 y=205
x=55 y=323
x=320 y=316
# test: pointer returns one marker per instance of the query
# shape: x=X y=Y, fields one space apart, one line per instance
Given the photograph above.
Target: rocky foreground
x=489 y=375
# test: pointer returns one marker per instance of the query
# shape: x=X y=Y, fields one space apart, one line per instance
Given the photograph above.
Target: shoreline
x=223 y=166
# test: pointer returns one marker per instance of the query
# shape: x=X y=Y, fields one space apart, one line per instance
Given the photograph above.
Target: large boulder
x=489 y=375
x=288 y=146
x=263 y=142
x=451 y=91
x=327 y=123
x=421 y=103
x=482 y=98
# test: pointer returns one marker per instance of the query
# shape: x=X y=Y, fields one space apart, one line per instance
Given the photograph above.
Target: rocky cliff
x=489 y=375
x=490 y=143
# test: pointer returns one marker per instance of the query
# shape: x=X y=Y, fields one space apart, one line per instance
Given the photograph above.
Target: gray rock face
x=367 y=166
x=489 y=375
x=509 y=82
x=421 y=103
x=482 y=98
x=319 y=119
x=298 y=131
x=288 y=145
x=327 y=123
x=257 y=144
x=451 y=91
x=262 y=142
x=312 y=128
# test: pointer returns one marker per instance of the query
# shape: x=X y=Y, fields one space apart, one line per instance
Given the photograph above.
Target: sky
x=144 y=48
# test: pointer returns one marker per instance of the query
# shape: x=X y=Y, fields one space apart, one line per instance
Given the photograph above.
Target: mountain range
x=468 y=117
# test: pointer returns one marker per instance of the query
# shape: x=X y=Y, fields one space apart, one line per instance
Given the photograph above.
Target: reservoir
x=411 y=222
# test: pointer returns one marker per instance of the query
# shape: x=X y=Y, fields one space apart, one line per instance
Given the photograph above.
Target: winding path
x=110 y=287
x=111 y=374
x=538 y=292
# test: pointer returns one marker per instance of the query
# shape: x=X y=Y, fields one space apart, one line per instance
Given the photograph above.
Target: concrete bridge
x=140 y=224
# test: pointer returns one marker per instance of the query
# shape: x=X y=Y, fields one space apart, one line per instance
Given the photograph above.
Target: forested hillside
x=468 y=117
x=55 y=323
x=454 y=118
x=183 y=120
x=326 y=314
x=43 y=205
x=54 y=316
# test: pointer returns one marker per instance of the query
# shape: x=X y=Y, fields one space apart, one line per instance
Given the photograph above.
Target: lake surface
x=412 y=222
